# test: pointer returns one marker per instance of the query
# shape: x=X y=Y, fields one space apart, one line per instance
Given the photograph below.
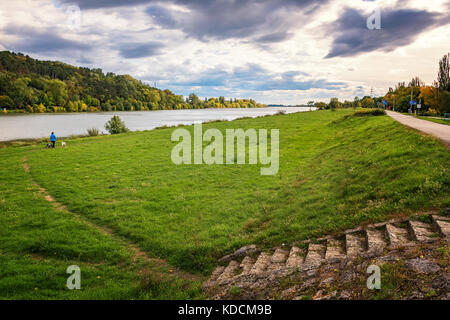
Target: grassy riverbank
x=335 y=172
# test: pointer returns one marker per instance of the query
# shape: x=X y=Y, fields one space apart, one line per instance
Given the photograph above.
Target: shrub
x=369 y=112
x=93 y=132
x=115 y=125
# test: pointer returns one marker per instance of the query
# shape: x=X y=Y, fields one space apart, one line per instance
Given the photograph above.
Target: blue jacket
x=52 y=137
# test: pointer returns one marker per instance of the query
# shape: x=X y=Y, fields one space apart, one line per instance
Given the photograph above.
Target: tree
x=429 y=96
x=72 y=107
x=321 y=105
x=356 y=103
x=444 y=73
x=28 y=82
x=6 y=102
x=416 y=82
x=367 y=102
x=443 y=83
x=57 y=91
x=334 y=103
x=115 y=126
x=193 y=100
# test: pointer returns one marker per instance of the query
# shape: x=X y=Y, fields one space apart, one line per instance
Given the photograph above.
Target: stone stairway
x=250 y=264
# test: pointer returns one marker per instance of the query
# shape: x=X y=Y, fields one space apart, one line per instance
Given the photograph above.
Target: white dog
x=63 y=144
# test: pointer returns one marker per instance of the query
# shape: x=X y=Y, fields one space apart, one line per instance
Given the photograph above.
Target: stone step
x=261 y=264
x=373 y=238
x=216 y=273
x=246 y=265
x=421 y=231
x=355 y=244
x=295 y=259
x=335 y=250
x=214 y=276
x=316 y=254
x=229 y=272
x=443 y=225
x=376 y=240
x=398 y=236
x=277 y=259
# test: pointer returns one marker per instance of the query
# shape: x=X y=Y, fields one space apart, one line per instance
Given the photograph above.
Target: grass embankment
x=335 y=172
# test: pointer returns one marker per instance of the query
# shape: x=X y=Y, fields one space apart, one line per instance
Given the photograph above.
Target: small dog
x=63 y=144
x=49 y=145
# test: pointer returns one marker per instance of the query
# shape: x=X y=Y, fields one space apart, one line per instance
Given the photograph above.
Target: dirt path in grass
x=138 y=254
x=438 y=130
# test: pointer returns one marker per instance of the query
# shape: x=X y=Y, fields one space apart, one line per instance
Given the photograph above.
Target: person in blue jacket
x=53 y=139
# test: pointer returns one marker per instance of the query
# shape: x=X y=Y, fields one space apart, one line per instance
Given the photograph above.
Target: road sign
x=419 y=106
x=385 y=103
x=413 y=103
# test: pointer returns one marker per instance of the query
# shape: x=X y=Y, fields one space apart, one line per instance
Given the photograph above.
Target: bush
x=93 y=132
x=116 y=126
x=369 y=112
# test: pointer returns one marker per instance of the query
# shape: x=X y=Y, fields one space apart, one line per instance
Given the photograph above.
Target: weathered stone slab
x=376 y=240
x=397 y=236
x=295 y=259
x=261 y=264
x=355 y=244
x=316 y=254
x=335 y=250
x=421 y=231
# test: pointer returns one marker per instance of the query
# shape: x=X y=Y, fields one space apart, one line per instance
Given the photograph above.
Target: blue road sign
x=413 y=103
x=385 y=103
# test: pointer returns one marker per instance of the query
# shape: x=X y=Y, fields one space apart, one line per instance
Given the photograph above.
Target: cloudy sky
x=275 y=51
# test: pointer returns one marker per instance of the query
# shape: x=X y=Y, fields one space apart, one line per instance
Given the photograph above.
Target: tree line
x=31 y=85
x=434 y=99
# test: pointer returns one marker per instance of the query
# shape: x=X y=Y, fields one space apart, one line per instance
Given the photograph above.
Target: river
x=30 y=126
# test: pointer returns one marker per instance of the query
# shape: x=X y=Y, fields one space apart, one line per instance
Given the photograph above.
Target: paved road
x=440 y=131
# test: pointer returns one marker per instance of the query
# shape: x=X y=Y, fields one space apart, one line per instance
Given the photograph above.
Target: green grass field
x=335 y=173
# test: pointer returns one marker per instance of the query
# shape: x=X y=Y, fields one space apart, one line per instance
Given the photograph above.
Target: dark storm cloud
x=140 y=50
x=254 y=77
x=263 y=21
x=32 y=41
x=161 y=16
x=97 y=4
x=398 y=28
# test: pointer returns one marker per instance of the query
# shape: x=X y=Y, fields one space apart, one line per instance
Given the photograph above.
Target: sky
x=273 y=51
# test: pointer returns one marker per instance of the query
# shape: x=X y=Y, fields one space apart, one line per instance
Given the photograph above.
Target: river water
x=29 y=126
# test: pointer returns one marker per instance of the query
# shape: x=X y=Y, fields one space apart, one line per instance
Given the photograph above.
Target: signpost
x=413 y=103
